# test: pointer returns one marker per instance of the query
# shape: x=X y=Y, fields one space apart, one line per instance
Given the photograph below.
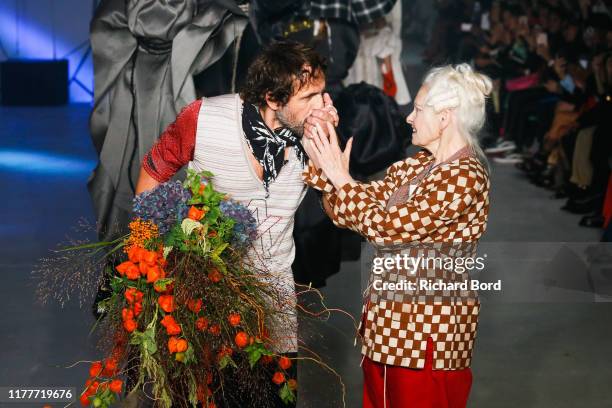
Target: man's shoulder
x=226 y=98
x=218 y=103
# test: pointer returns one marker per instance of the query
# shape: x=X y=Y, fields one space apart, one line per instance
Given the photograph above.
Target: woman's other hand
x=327 y=156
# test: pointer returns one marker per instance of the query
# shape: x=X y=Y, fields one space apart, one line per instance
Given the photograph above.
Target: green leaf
x=163 y=283
x=90 y=245
x=219 y=263
x=117 y=284
x=287 y=396
x=146 y=341
x=217 y=251
x=189 y=355
x=136 y=338
x=225 y=361
x=149 y=345
x=254 y=357
x=255 y=351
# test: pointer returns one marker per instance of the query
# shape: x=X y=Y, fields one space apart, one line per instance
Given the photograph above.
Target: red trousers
x=410 y=388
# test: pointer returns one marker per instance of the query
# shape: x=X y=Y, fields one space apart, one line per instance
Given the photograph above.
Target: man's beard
x=290 y=122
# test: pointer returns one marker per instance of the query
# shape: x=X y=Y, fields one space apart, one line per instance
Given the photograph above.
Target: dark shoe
x=580 y=208
x=592 y=221
x=559 y=194
x=544 y=180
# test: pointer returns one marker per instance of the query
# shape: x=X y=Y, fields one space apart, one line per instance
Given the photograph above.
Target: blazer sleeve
x=446 y=198
x=378 y=191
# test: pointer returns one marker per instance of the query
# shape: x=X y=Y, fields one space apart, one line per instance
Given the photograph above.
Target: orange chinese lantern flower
x=115 y=386
x=130 y=325
x=127 y=314
x=172 y=344
x=95 y=369
x=195 y=214
x=150 y=257
x=154 y=273
x=84 y=400
x=195 y=305
x=132 y=272
x=181 y=346
x=201 y=323
x=278 y=378
x=214 y=275
x=215 y=329
x=241 y=339
x=166 y=302
x=110 y=367
x=142 y=267
x=292 y=383
x=234 y=319
x=133 y=295
x=173 y=329
x=123 y=267
x=134 y=253
x=137 y=308
x=284 y=363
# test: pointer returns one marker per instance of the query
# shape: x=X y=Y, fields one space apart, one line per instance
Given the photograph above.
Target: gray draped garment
x=145 y=55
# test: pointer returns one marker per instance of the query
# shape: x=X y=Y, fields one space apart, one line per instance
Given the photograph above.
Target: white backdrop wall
x=50 y=29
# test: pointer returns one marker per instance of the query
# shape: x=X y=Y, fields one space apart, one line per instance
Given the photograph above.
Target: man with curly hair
x=251 y=142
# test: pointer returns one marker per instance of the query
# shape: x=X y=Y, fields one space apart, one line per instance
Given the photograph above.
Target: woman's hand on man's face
x=321 y=116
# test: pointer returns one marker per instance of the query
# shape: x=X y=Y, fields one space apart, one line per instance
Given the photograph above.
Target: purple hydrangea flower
x=245 y=229
x=165 y=205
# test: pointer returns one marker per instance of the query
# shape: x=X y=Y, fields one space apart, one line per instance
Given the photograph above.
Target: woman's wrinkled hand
x=326 y=155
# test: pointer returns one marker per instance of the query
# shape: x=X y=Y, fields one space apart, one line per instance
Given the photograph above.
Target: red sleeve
x=175 y=147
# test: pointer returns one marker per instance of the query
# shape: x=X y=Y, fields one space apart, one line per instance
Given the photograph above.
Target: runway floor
x=528 y=354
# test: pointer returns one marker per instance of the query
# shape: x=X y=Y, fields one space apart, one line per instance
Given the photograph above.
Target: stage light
x=24 y=161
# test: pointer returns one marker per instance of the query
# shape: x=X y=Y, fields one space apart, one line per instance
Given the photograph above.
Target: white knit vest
x=221 y=148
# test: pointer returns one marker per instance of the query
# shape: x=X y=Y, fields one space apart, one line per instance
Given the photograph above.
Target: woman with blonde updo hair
x=417 y=348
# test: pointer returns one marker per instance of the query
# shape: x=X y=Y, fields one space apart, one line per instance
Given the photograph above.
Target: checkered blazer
x=449 y=205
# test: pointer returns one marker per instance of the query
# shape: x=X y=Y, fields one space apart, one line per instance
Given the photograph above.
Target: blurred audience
x=550 y=114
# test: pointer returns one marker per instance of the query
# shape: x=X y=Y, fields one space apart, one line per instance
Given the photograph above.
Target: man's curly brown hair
x=281 y=70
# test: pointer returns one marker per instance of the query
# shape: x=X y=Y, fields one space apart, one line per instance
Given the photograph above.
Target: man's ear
x=272 y=104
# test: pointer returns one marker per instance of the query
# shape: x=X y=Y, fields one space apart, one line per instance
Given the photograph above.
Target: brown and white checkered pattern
x=449 y=205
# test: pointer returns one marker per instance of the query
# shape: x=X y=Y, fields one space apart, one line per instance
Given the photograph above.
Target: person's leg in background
x=582 y=168
x=516 y=104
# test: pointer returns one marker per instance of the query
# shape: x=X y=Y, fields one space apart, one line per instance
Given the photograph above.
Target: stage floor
x=527 y=354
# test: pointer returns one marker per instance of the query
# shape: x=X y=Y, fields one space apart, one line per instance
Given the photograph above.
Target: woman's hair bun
x=477 y=80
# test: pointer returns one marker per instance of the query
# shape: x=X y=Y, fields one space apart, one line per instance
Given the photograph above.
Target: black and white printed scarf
x=268 y=146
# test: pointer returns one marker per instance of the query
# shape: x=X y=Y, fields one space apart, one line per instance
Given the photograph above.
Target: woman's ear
x=444 y=117
x=272 y=104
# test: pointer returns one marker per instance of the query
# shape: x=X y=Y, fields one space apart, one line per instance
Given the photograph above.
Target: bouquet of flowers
x=186 y=314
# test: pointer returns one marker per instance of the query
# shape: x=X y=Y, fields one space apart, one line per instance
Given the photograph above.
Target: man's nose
x=317 y=102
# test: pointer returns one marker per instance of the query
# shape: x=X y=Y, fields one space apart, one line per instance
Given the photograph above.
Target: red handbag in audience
x=524 y=82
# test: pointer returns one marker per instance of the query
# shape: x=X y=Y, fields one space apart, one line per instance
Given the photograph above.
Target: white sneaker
x=511 y=158
x=505 y=146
